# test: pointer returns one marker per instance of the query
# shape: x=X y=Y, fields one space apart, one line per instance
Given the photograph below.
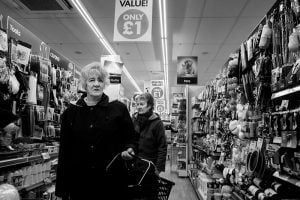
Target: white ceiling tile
x=8 y=9
x=180 y=50
x=127 y=51
x=154 y=66
x=214 y=30
x=182 y=30
x=83 y=34
x=141 y=75
x=224 y=8
x=202 y=66
x=225 y=51
x=182 y=9
x=134 y=65
x=82 y=62
x=257 y=8
x=215 y=67
x=95 y=49
x=69 y=50
x=242 y=30
x=106 y=25
x=59 y=33
x=147 y=51
x=56 y=47
x=201 y=49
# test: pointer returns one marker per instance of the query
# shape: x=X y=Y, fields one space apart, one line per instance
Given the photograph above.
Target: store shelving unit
x=179 y=118
x=286 y=92
x=25 y=160
x=288 y=179
x=37 y=185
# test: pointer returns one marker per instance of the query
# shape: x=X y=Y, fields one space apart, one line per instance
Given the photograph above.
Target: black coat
x=152 y=141
x=90 y=137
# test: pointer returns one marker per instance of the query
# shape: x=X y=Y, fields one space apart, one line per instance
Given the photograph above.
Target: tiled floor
x=183 y=190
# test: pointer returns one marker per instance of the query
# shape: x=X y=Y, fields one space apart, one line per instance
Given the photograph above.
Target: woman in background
x=152 y=140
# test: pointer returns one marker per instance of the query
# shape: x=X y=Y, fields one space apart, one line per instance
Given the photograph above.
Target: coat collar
x=154 y=116
x=102 y=102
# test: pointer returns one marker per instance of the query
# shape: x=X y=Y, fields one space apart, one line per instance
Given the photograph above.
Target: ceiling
x=209 y=29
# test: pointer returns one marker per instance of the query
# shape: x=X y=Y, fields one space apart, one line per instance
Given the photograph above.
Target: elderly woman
x=92 y=132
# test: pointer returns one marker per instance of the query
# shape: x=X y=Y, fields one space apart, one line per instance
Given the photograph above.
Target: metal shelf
x=36 y=185
x=285 y=92
x=24 y=160
x=287 y=179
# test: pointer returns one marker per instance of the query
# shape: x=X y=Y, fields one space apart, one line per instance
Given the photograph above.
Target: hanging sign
x=133 y=20
x=157 y=89
x=114 y=67
x=160 y=106
x=187 y=70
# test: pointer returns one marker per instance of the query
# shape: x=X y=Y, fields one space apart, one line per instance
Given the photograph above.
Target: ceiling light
x=89 y=20
x=164 y=43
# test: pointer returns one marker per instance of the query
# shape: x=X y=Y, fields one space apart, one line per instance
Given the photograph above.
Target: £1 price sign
x=133 y=20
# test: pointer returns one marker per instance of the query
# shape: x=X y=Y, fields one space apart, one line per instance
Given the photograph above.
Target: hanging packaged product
x=296 y=7
x=265 y=37
x=40 y=92
x=293 y=77
x=23 y=53
x=41 y=67
x=13 y=84
x=44 y=73
x=53 y=75
x=4 y=71
x=13 y=50
x=3 y=41
x=31 y=97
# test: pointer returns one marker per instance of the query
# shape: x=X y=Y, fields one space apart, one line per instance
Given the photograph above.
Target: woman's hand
x=127 y=155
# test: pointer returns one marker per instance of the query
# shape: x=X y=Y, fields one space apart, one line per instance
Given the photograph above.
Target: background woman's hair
x=148 y=98
x=91 y=69
x=8 y=192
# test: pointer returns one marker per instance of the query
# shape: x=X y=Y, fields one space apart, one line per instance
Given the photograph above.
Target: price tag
x=46 y=156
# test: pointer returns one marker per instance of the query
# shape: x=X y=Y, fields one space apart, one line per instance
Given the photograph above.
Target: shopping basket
x=142 y=180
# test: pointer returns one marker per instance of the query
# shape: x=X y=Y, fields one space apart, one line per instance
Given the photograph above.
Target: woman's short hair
x=148 y=98
x=94 y=68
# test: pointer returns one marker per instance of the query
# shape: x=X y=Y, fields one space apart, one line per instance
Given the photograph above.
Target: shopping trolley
x=141 y=178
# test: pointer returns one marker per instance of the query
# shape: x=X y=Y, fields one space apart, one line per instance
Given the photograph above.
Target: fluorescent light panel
x=89 y=20
x=164 y=42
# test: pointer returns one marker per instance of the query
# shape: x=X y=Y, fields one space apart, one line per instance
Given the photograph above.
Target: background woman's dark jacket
x=152 y=142
x=90 y=137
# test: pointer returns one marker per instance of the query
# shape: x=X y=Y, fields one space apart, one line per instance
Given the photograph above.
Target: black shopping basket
x=142 y=180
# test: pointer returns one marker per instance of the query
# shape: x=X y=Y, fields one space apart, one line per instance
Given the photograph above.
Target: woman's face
x=142 y=106
x=94 y=86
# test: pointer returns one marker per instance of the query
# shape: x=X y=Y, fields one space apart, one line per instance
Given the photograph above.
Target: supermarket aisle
x=183 y=190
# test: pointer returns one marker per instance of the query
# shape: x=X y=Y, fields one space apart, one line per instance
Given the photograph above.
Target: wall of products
x=179 y=117
x=245 y=124
x=36 y=84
